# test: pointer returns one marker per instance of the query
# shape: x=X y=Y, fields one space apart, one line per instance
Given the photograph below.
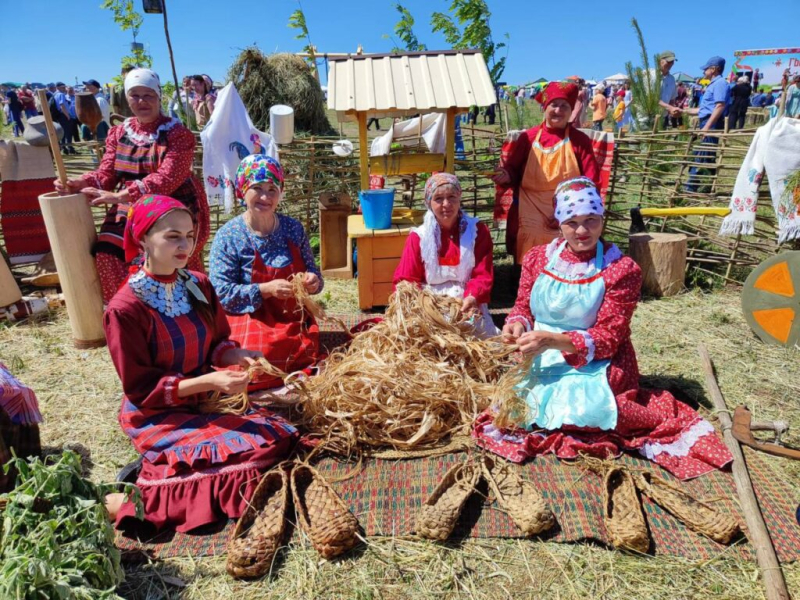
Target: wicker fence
x=654 y=170
x=650 y=170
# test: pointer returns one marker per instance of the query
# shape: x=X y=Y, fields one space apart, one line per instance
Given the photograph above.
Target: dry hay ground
x=79 y=395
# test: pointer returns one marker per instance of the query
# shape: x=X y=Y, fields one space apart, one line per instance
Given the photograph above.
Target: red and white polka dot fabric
x=651 y=422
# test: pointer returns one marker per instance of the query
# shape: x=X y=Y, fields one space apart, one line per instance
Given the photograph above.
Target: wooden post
x=662 y=258
x=450 y=141
x=363 y=150
x=474 y=175
x=771 y=573
x=172 y=62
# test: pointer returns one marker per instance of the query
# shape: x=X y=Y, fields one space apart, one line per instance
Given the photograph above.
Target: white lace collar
x=145 y=139
x=582 y=269
x=430 y=235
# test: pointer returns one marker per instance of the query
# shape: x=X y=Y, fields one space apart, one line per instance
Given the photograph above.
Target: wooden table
x=379 y=253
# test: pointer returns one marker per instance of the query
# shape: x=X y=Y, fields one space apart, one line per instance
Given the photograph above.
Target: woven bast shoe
x=517 y=497
x=321 y=514
x=697 y=515
x=439 y=513
x=260 y=529
x=622 y=512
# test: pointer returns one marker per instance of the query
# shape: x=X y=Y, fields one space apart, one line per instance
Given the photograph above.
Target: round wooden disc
x=771 y=300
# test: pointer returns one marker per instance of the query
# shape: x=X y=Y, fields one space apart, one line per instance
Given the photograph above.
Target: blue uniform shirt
x=716 y=92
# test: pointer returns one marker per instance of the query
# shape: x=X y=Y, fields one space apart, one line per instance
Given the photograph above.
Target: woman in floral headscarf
x=169 y=341
x=253 y=257
x=451 y=253
x=573 y=318
x=543 y=157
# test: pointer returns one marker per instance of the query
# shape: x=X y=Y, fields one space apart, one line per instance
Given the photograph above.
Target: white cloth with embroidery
x=228 y=137
x=775 y=150
x=432 y=134
x=447 y=280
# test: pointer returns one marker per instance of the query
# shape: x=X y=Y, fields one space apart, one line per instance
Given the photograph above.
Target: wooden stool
x=771 y=300
x=662 y=258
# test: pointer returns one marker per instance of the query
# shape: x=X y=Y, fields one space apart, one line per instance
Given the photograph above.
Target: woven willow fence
x=653 y=169
x=649 y=170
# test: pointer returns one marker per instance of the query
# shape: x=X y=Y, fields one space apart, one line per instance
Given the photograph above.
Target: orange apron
x=545 y=169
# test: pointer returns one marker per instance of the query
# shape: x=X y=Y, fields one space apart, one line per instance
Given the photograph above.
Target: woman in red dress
x=573 y=315
x=148 y=154
x=167 y=335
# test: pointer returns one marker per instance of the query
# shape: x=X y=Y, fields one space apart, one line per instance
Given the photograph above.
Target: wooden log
x=72 y=234
x=771 y=573
x=9 y=290
x=662 y=258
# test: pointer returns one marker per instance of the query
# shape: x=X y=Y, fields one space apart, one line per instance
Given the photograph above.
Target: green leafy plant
x=297 y=20
x=645 y=85
x=469 y=27
x=404 y=29
x=128 y=20
x=57 y=540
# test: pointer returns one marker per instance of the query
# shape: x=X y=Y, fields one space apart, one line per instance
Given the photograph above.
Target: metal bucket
x=281 y=123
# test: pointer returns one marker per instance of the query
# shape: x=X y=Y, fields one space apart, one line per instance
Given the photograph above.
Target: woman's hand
x=501 y=177
x=241 y=357
x=73 y=186
x=535 y=342
x=469 y=305
x=512 y=331
x=99 y=197
x=311 y=283
x=278 y=288
x=227 y=382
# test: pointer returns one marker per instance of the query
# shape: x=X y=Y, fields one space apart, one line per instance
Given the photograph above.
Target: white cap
x=144 y=78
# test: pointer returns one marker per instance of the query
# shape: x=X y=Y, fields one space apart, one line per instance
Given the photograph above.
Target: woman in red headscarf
x=170 y=343
x=543 y=157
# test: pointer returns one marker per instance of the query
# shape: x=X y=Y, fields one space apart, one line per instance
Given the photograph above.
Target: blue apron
x=556 y=393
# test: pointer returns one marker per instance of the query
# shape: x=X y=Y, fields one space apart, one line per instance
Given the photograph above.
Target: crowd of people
x=197 y=96
x=614 y=99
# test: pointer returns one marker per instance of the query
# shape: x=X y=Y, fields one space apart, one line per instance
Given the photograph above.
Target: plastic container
x=281 y=123
x=376 y=206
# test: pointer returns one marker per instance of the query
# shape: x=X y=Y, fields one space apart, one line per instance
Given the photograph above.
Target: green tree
x=128 y=20
x=468 y=27
x=404 y=29
x=297 y=20
x=645 y=85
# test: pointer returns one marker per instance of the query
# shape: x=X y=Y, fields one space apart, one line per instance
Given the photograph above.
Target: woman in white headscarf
x=451 y=253
x=148 y=154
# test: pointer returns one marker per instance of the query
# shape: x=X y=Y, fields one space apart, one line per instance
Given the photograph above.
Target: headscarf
x=142 y=216
x=575 y=198
x=257 y=168
x=436 y=180
x=144 y=78
x=558 y=89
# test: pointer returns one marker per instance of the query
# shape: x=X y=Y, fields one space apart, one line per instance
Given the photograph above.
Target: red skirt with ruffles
x=200 y=496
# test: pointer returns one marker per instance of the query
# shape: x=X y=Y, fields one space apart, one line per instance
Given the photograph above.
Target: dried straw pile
x=264 y=81
x=407 y=383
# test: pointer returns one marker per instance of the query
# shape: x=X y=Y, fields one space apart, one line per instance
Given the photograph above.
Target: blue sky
x=45 y=40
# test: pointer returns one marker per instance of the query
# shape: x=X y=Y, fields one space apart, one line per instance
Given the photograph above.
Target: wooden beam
x=450 y=142
x=363 y=149
x=771 y=573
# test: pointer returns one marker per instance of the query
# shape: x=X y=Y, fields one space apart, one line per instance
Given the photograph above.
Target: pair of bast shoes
x=625 y=521
x=321 y=514
x=516 y=496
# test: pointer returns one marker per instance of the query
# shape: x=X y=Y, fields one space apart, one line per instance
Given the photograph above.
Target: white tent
x=618 y=78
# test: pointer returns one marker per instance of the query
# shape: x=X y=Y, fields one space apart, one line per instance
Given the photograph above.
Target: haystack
x=264 y=81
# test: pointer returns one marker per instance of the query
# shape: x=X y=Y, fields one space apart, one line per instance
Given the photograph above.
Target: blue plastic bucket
x=376 y=205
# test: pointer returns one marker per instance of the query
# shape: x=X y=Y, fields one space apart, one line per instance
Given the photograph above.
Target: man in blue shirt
x=758 y=100
x=711 y=112
x=65 y=111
